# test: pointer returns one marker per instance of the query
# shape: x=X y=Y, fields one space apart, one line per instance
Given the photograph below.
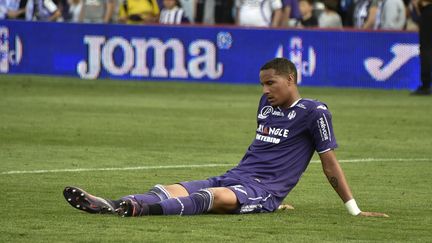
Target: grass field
x=54 y=126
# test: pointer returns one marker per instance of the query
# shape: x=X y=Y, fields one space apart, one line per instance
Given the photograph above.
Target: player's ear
x=290 y=78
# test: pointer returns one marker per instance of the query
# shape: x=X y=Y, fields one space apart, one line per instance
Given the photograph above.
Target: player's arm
x=277 y=18
x=336 y=177
x=12 y=14
x=109 y=11
x=286 y=12
x=370 y=21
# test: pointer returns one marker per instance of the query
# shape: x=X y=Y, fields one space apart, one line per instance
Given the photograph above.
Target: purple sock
x=155 y=195
x=196 y=203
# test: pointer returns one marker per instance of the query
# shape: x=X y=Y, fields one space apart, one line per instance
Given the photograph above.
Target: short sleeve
x=321 y=129
x=155 y=7
x=122 y=10
x=276 y=4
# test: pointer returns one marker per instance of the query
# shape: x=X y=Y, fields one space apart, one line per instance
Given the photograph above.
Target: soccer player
x=289 y=130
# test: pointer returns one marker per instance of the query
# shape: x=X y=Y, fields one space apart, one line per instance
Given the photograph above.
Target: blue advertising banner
x=386 y=60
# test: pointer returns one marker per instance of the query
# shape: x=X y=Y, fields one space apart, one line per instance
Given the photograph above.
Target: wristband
x=352 y=207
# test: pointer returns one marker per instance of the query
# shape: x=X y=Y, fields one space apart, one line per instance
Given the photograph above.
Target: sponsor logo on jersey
x=269 y=110
x=324 y=128
x=271 y=134
x=278 y=132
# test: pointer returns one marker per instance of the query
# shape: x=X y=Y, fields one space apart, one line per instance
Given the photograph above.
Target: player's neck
x=295 y=96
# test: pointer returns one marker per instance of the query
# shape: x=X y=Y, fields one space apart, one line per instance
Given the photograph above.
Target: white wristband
x=352 y=207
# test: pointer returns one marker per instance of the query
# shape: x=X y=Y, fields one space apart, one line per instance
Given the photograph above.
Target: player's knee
x=176 y=190
x=224 y=200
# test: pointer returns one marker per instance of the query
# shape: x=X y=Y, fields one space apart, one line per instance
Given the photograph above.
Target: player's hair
x=282 y=66
x=311 y=2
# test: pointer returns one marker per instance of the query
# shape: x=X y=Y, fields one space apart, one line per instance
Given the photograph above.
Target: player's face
x=169 y=4
x=276 y=87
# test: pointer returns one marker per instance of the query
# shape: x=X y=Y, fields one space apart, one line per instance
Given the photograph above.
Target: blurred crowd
x=360 y=14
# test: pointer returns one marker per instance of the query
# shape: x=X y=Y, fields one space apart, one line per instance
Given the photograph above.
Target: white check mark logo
x=402 y=54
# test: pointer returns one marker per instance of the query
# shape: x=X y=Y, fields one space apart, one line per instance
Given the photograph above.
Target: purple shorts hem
x=252 y=199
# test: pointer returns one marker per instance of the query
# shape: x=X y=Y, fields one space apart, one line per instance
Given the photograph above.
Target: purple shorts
x=252 y=199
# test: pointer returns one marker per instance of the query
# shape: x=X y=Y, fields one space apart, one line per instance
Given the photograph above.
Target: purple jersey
x=284 y=144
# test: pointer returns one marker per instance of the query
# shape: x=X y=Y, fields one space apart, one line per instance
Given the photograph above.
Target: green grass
x=62 y=123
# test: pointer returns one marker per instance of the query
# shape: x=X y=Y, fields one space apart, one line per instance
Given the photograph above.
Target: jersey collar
x=295 y=103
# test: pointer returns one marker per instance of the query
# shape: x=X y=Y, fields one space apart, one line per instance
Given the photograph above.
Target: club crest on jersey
x=269 y=110
x=291 y=115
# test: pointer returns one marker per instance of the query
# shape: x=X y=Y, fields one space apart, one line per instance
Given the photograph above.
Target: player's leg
x=224 y=200
x=82 y=200
x=163 y=192
x=154 y=195
x=215 y=200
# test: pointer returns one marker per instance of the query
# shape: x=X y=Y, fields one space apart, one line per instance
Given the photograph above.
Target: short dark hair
x=311 y=2
x=282 y=66
x=331 y=4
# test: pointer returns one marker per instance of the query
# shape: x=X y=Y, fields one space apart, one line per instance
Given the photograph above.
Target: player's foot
x=132 y=208
x=80 y=199
x=422 y=91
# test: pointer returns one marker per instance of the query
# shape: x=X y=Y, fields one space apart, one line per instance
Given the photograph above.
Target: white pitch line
x=380 y=160
x=113 y=169
x=193 y=166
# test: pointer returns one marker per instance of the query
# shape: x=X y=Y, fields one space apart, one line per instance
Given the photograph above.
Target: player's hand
x=373 y=214
x=285 y=207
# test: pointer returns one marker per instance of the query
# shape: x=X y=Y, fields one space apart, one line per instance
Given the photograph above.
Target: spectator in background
x=189 y=8
x=318 y=7
x=291 y=13
x=12 y=9
x=413 y=15
x=63 y=6
x=172 y=13
x=139 y=12
x=260 y=13
x=42 y=10
x=205 y=12
x=213 y=11
x=425 y=36
x=365 y=14
x=75 y=10
x=346 y=11
x=391 y=15
x=97 y=11
x=224 y=12
x=306 y=10
x=330 y=18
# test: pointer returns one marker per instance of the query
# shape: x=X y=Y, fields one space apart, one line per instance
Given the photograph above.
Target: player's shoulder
x=312 y=106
